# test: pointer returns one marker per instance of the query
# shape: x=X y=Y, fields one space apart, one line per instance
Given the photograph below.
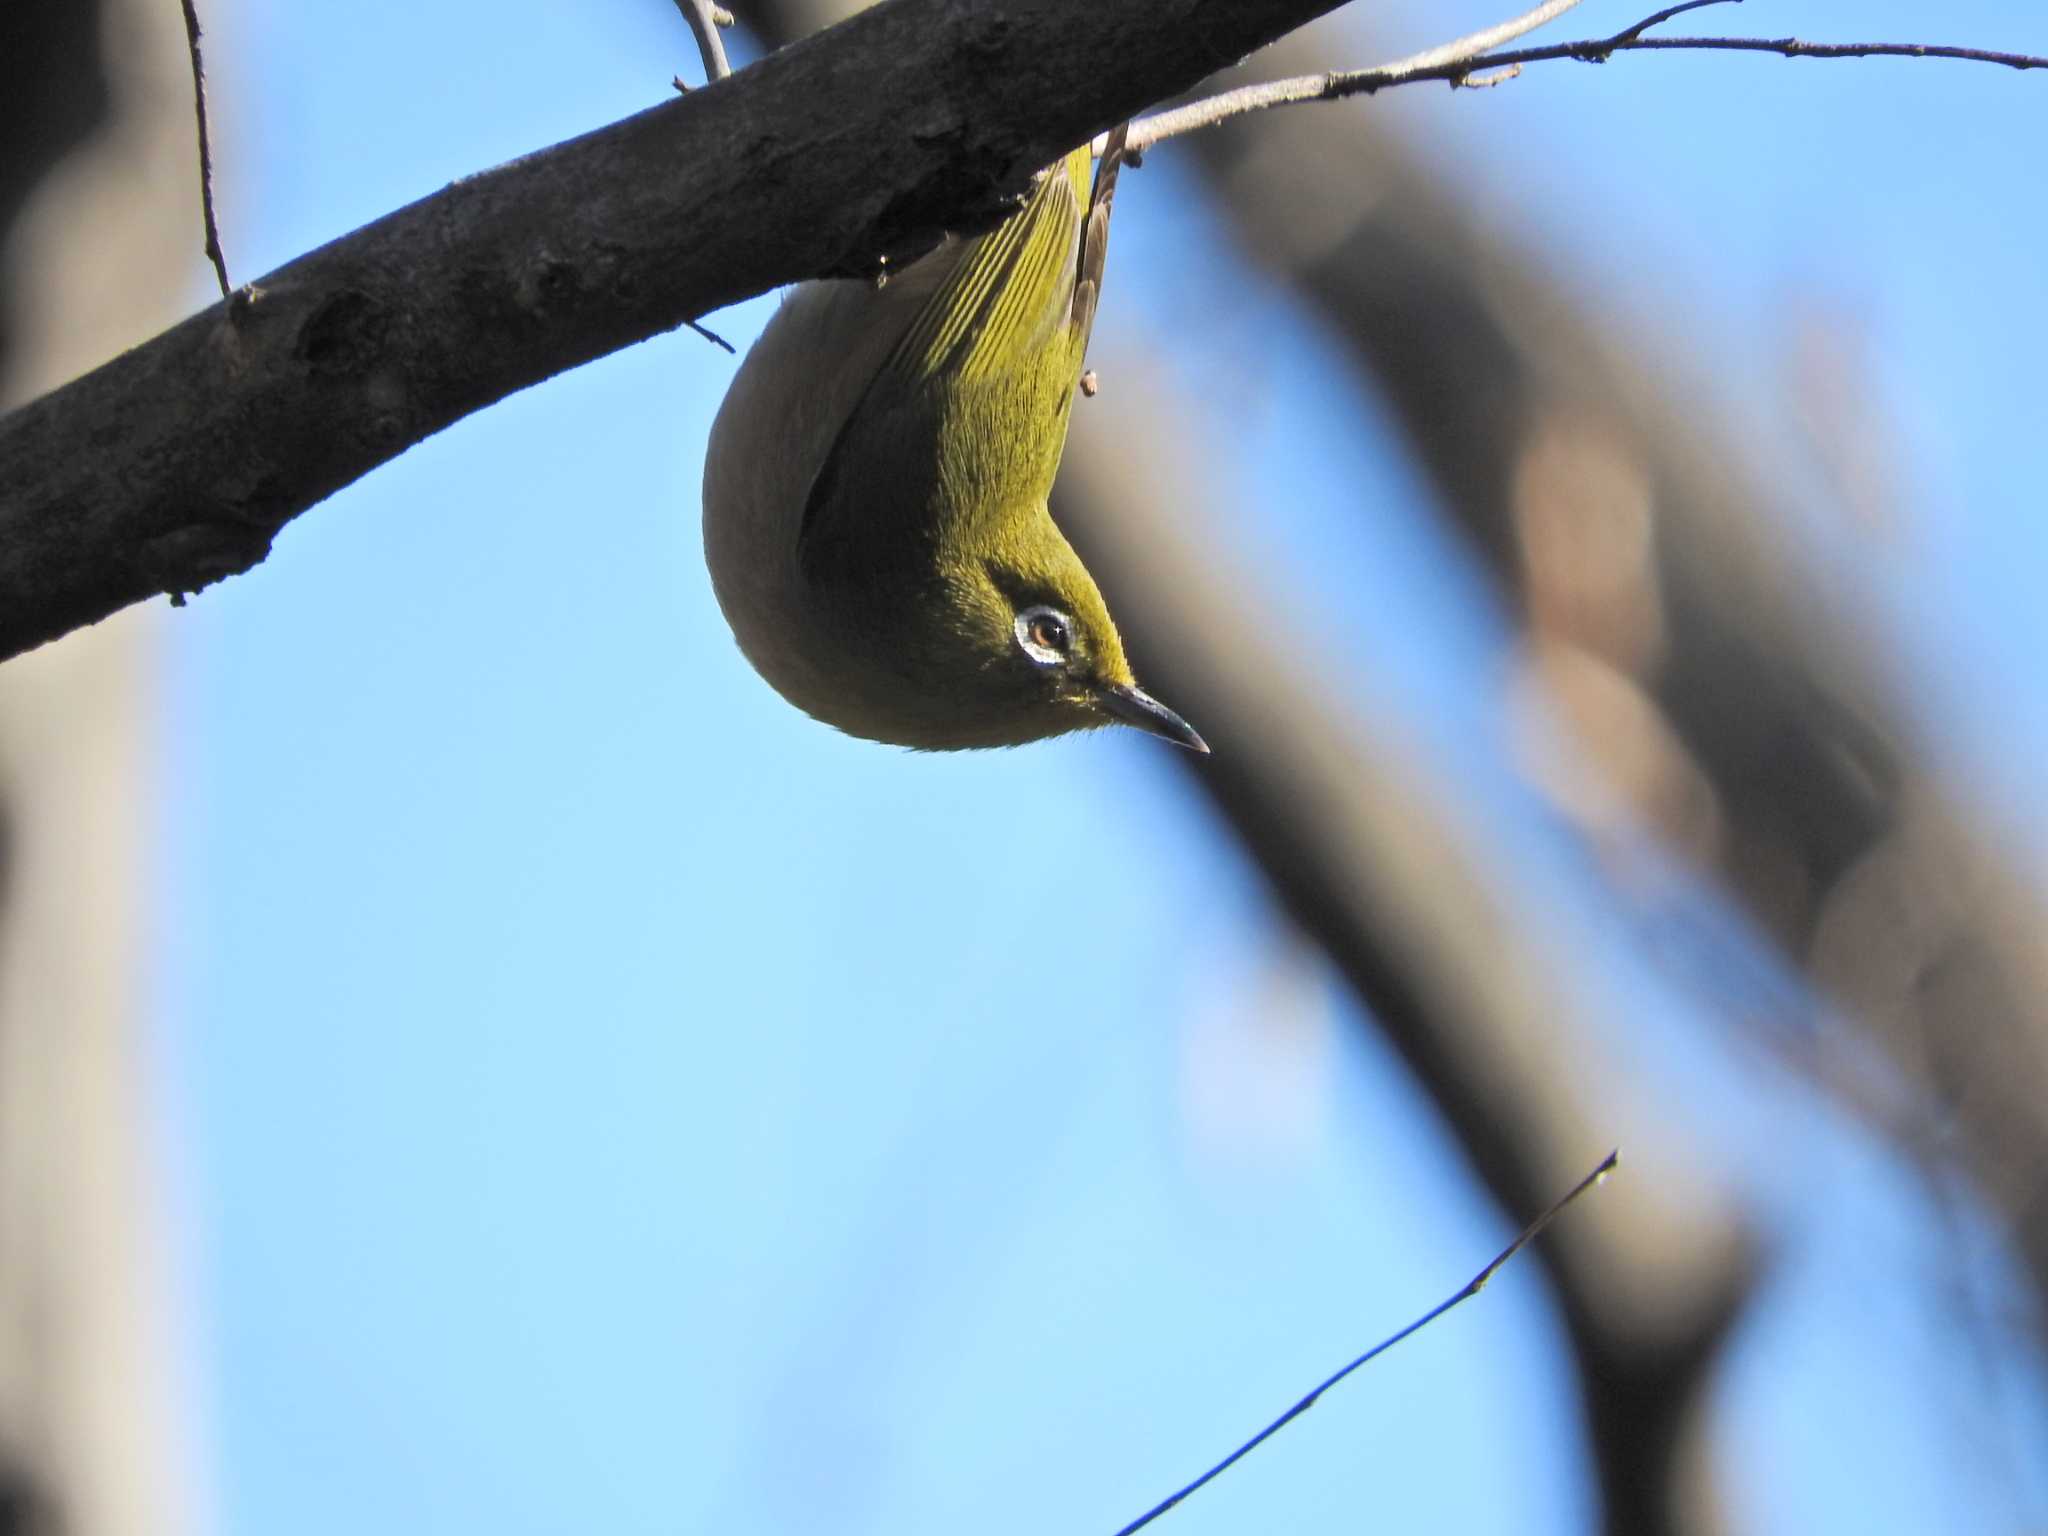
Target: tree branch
x=214 y=253
x=176 y=464
x=1466 y=63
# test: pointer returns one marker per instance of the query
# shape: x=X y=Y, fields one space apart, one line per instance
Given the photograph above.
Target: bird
x=876 y=485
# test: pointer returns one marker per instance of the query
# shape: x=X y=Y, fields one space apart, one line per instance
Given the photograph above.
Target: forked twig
x=1473 y=1287
x=1480 y=68
x=1147 y=131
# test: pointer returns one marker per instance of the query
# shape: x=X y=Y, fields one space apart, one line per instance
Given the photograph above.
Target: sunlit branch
x=1481 y=68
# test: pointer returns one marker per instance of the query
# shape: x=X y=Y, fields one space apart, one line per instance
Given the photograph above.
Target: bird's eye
x=1045 y=633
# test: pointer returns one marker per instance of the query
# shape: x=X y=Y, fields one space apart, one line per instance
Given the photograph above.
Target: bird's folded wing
x=1013 y=309
x=1008 y=293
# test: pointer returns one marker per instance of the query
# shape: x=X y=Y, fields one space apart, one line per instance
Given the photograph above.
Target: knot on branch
x=972 y=189
x=548 y=282
x=344 y=331
x=192 y=558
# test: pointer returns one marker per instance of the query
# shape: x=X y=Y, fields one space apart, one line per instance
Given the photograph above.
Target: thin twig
x=705 y=18
x=1252 y=98
x=712 y=336
x=1798 y=48
x=1657 y=19
x=1478 y=1283
x=1485 y=68
x=213 y=250
x=1472 y=44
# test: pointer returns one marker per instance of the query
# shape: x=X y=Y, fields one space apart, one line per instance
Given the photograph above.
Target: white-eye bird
x=875 y=515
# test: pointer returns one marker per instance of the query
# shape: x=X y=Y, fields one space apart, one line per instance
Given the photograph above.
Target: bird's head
x=1010 y=643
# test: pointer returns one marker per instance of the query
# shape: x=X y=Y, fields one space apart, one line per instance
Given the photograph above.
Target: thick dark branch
x=176 y=464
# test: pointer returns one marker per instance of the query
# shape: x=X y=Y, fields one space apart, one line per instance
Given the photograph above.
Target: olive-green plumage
x=875 y=515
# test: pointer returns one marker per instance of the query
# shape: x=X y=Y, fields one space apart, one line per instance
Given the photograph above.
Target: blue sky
x=619 y=1103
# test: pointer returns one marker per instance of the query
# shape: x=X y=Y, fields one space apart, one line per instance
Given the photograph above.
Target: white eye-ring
x=1045 y=633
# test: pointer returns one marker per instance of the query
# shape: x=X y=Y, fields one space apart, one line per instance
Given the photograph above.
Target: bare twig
x=1796 y=48
x=1472 y=44
x=1488 y=69
x=1229 y=104
x=712 y=336
x=1473 y=1287
x=213 y=250
x=705 y=18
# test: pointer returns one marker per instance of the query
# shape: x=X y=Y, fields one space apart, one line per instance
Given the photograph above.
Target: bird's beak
x=1134 y=706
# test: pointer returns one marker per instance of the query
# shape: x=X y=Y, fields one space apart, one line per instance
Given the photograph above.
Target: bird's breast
x=797 y=387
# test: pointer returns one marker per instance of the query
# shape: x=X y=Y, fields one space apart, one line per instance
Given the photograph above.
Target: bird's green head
x=1048 y=653
x=1010 y=643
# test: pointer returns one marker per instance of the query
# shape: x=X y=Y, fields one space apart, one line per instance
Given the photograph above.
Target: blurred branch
x=176 y=464
x=1711 y=684
x=92 y=1410
x=54 y=73
x=53 y=95
x=1486 y=366
x=1369 y=860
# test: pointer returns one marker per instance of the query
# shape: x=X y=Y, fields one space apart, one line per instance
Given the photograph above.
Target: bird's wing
x=1006 y=294
x=1095 y=239
x=1014 y=308
x=1031 y=282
